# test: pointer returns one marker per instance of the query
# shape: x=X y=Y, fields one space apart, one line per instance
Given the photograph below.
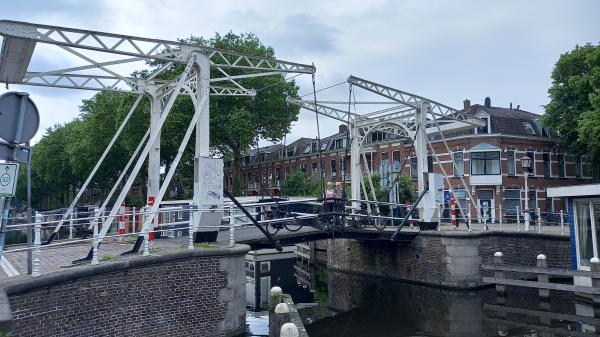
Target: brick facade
x=182 y=296
x=452 y=260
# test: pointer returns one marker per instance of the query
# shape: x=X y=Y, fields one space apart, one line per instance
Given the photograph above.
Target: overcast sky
x=443 y=50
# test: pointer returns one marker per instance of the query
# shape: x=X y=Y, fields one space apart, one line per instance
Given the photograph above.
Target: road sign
x=8 y=179
x=19 y=117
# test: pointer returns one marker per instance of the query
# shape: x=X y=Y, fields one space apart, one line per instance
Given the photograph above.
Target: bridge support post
x=95 y=242
x=154 y=155
x=37 y=243
x=539 y=220
x=192 y=211
x=71 y=226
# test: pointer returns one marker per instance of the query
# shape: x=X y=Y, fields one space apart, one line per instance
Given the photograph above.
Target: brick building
x=488 y=158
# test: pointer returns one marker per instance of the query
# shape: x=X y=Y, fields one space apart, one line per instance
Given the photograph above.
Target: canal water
x=336 y=304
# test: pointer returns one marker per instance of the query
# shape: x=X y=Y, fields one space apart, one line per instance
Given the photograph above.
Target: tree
x=236 y=123
x=574 y=108
x=298 y=184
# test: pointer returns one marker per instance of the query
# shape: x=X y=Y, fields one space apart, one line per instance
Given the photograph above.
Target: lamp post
x=526 y=165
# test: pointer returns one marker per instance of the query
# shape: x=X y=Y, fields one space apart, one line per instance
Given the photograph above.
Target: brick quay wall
x=446 y=259
x=188 y=293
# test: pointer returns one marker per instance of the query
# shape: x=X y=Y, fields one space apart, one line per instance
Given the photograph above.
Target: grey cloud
x=303 y=33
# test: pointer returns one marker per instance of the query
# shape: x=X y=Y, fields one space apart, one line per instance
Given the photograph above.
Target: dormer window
x=486 y=128
x=529 y=128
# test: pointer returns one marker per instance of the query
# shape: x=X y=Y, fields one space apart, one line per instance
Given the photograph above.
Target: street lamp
x=526 y=165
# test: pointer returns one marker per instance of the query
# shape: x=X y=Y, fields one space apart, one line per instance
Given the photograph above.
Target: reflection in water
x=361 y=306
x=351 y=306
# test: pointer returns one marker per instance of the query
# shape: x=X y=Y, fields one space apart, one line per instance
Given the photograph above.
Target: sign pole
x=5 y=208
x=29 y=218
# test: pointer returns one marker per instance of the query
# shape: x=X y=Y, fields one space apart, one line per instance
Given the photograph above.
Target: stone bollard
x=278 y=319
x=542 y=263
x=595 y=268
x=275 y=297
x=289 y=330
x=499 y=274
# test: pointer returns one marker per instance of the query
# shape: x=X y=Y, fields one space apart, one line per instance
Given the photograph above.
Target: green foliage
x=574 y=108
x=298 y=184
x=406 y=190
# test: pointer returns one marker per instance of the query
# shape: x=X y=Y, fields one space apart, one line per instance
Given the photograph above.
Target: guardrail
x=542 y=272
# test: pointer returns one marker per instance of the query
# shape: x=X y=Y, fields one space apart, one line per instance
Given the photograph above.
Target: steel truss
x=102 y=51
x=414 y=117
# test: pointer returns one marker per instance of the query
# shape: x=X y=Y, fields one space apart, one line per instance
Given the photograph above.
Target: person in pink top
x=329 y=197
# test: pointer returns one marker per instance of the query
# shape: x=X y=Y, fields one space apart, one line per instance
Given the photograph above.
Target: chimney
x=488 y=102
x=511 y=105
x=343 y=128
x=467 y=104
x=518 y=106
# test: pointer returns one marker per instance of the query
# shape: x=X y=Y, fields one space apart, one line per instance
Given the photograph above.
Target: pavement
x=13 y=265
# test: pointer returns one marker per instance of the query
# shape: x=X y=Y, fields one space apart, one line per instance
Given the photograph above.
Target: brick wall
x=180 y=294
x=452 y=260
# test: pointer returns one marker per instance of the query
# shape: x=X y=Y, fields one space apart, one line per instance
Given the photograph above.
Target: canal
x=336 y=304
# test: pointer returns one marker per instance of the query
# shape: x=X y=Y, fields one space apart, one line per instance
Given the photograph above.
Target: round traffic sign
x=19 y=117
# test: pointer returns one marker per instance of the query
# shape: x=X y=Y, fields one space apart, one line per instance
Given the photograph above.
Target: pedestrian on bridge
x=329 y=197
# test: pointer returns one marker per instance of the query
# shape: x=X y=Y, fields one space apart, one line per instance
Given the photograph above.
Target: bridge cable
x=318 y=137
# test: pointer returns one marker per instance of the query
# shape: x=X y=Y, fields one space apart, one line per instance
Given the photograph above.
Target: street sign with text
x=8 y=179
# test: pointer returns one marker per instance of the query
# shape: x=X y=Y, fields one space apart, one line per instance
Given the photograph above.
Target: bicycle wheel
x=293 y=225
x=359 y=222
x=376 y=221
x=272 y=228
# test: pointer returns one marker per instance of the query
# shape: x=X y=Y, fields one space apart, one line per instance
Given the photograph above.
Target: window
x=265 y=266
x=485 y=128
x=342 y=166
x=578 y=167
x=396 y=159
x=333 y=167
x=533 y=199
x=413 y=168
x=369 y=157
x=315 y=168
x=547 y=169
x=460 y=195
x=561 y=165
x=459 y=164
x=512 y=199
x=303 y=168
x=585 y=240
x=385 y=158
x=485 y=163
x=313 y=147
x=290 y=152
x=510 y=155
x=529 y=128
x=429 y=163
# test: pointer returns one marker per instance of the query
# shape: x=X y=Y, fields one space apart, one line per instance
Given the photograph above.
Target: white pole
x=500 y=216
x=146 y=231
x=539 y=220
x=231 y=234
x=191 y=226
x=133 y=224
x=485 y=217
x=469 y=216
x=439 y=211
x=37 y=242
x=518 y=220
x=562 y=223
x=71 y=227
x=526 y=214
x=95 y=242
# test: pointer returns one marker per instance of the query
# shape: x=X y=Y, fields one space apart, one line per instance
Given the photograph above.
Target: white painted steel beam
x=151 y=49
